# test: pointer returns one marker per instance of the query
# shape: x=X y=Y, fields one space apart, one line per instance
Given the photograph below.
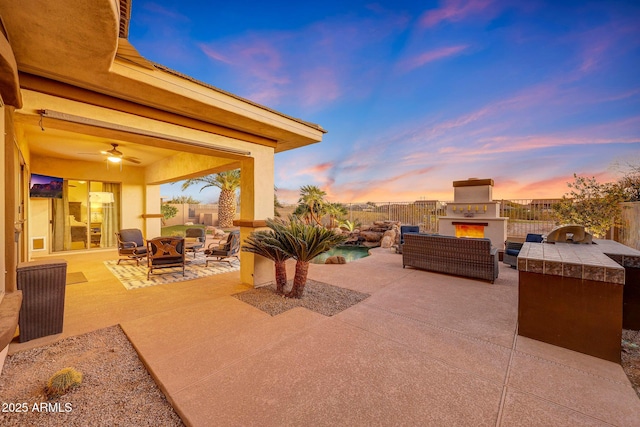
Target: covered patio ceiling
x=53 y=138
x=70 y=145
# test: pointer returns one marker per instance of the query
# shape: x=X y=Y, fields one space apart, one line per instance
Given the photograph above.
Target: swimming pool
x=350 y=253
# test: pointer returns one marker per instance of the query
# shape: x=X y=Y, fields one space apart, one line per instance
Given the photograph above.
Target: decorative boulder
x=387 y=242
x=390 y=233
x=371 y=236
x=336 y=259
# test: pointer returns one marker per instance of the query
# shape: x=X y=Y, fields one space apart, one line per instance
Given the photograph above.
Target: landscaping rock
x=371 y=236
x=336 y=259
x=386 y=242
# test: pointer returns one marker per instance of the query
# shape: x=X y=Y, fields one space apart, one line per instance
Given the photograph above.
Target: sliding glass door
x=87 y=216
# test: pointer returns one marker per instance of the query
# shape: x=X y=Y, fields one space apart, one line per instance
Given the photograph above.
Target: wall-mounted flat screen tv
x=46 y=186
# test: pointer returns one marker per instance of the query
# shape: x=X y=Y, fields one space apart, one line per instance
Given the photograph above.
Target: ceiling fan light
x=114 y=159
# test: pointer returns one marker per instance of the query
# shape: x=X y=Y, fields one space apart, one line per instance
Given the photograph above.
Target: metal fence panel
x=525 y=215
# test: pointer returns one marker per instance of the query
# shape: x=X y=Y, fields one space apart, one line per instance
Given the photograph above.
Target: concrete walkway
x=425 y=349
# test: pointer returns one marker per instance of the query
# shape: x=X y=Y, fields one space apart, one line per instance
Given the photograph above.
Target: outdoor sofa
x=460 y=256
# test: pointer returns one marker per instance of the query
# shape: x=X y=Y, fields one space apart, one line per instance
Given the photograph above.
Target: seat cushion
x=534 y=238
x=512 y=252
x=132 y=235
x=168 y=260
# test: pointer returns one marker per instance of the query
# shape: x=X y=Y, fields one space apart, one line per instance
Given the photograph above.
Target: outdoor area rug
x=76 y=277
x=135 y=276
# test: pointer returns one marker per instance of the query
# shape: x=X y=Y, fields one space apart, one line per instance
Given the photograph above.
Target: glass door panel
x=78 y=226
x=86 y=217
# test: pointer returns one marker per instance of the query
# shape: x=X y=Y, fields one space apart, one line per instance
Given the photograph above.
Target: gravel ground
x=116 y=388
x=319 y=297
x=631 y=357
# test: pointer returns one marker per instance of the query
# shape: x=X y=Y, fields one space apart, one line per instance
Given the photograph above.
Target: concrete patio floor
x=423 y=349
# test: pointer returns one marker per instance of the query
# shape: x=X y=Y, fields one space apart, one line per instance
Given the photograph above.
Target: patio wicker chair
x=224 y=251
x=131 y=246
x=165 y=252
x=406 y=229
x=195 y=238
x=512 y=249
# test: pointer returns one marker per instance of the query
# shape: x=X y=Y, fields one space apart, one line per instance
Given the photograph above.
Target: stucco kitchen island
x=571 y=295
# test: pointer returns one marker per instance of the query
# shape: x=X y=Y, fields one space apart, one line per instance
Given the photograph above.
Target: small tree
x=167 y=212
x=276 y=203
x=335 y=212
x=589 y=203
x=311 y=204
x=267 y=243
x=304 y=242
x=630 y=184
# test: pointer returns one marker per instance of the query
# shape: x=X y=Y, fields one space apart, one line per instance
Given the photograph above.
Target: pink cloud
x=552 y=187
x=319 y=168
x=319 y=85
x=214 y=54
x=454 y=11
x=309 y=66
x=167 y=13
x=600 y=47
x=430 y=56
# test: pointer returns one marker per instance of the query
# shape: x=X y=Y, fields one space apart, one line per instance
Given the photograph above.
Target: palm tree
x=334 y=210
x=228 y=182
x=276 y=203
x=312 y=202
x=266 y=243
x=305 y=242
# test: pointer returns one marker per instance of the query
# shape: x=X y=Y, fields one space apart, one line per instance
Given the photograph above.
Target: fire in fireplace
x=470 y=230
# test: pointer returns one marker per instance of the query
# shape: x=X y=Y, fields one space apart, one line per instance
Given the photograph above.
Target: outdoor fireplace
x=473 y=213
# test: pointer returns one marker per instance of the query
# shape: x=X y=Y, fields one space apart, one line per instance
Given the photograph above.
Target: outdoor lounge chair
x=195 y=238
x=131 y=245
x=406 y=229
x=226 y=250
x=165 y=252
x=512 y=249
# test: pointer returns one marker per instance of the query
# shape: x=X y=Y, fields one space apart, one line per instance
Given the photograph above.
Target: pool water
x=350 y=253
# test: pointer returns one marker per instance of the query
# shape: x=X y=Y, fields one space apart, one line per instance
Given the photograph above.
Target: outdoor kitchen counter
x=571 y=295
x=573 y=260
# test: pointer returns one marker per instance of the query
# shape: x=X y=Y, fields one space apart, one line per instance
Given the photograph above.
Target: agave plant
x=348 y=225
x=303 y=242
x=267 y=244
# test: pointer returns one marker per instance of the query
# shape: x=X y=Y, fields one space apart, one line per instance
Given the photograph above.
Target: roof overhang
x=82 y=44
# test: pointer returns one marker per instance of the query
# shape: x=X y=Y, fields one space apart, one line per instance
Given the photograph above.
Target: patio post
x=256 y=205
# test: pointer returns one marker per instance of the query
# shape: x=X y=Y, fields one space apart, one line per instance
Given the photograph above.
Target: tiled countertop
x=571 y=260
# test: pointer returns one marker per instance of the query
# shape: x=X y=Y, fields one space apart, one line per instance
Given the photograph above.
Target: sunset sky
x=417 y=94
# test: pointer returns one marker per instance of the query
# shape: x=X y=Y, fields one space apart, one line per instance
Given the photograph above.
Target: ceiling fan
x=116 y=156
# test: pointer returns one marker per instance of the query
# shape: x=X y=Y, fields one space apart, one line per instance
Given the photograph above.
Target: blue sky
x=417 y=94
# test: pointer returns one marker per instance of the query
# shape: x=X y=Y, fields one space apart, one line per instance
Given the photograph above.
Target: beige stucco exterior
x=68 y=91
